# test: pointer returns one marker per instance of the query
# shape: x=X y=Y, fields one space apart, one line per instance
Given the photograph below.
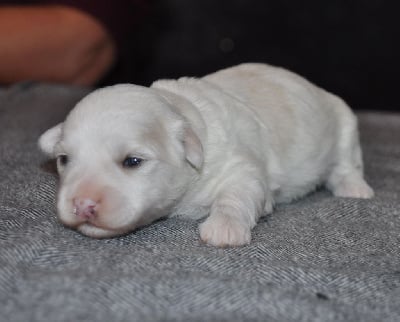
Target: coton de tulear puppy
x=234 y=143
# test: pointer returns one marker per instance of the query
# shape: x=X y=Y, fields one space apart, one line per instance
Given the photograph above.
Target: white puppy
x=234 y=143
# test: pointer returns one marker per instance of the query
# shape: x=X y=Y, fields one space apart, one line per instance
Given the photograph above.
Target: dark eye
x=62 y=159
x=131 y=162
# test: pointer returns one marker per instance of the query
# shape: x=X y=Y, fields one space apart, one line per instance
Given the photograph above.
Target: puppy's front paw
x=224 y=231
x=354 y=189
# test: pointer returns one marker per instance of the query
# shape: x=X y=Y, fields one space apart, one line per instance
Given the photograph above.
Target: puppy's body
x=233 y=143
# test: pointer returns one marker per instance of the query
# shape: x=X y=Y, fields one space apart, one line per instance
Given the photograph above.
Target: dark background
x=348 y=47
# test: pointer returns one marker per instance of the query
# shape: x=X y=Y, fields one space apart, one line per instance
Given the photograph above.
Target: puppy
x=233 y=143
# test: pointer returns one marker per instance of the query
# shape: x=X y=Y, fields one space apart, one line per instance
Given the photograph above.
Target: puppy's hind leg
x=346 y=178
x=233 y=214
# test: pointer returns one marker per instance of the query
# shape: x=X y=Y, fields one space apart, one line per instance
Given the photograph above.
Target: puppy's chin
x=98 y=232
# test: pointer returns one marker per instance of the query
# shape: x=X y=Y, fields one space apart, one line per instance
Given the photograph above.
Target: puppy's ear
x=193 y=148
x=49 y=139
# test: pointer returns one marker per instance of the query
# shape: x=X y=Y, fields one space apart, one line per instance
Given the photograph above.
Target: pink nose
x=85 y=208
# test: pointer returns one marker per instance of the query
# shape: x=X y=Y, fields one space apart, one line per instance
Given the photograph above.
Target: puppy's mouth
x=95 y=228
x=91 y=230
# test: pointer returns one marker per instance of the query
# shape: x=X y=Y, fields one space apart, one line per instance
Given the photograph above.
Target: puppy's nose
x=85 y=208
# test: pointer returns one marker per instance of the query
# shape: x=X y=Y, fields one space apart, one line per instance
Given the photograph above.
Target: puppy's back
x=284 y=101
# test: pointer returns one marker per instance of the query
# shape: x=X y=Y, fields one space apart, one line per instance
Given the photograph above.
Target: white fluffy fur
x=233 y=143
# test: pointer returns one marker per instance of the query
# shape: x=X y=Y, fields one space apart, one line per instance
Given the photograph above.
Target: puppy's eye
x=131 y=162
x=62 y=159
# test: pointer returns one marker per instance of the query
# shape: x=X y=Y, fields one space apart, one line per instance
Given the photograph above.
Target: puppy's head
x=124 y=158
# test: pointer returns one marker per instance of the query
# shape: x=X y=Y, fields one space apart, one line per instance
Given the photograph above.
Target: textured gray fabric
x=318 y=259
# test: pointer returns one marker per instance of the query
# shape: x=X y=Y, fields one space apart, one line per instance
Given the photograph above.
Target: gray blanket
x=318 y=259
